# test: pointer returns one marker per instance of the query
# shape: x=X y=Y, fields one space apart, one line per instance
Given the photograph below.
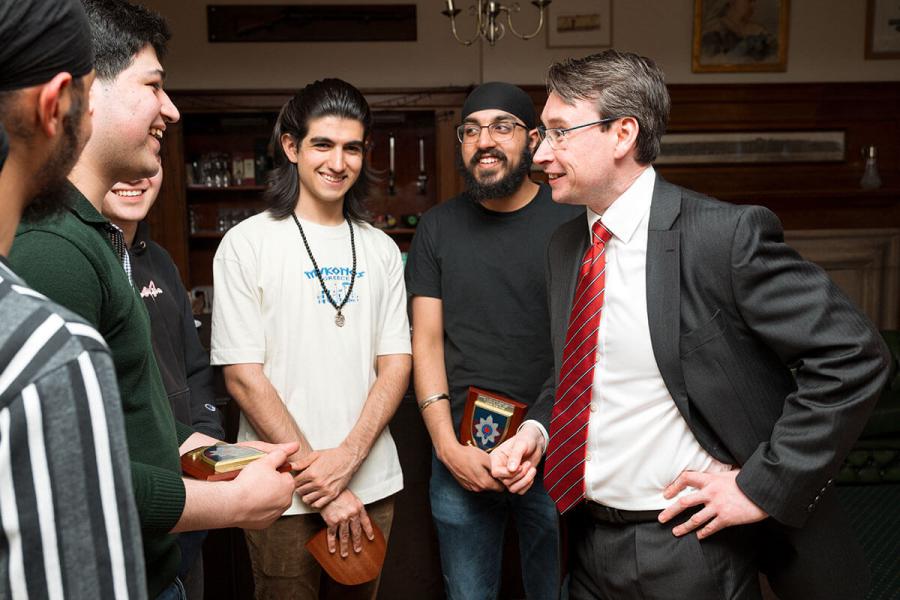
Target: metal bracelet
x=432 y=399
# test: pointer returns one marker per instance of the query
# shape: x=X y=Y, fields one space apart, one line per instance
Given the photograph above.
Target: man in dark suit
x=708 y=381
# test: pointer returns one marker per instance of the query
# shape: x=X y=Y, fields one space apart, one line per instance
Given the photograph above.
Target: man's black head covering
x=40 y=38
x=498 y=95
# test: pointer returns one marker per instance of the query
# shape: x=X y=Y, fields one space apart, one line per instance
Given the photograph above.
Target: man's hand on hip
x=324 y=474
x=347 y=520
x=724 y=504
x=515 y=461
x=471 y=467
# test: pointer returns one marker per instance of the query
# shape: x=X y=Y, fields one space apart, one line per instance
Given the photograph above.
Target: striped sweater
x=68 y=523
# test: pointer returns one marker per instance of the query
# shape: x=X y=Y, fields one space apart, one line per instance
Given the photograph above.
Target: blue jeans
x=175 y=591
x=471 y=527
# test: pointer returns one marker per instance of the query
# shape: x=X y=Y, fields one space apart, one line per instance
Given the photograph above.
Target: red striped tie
x=564 y=468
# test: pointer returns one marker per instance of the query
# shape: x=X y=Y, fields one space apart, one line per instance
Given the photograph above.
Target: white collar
x=626 y=212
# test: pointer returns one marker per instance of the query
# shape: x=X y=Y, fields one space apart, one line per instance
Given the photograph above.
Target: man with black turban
x=70 y=526
x=80 y=260
x=476 y=271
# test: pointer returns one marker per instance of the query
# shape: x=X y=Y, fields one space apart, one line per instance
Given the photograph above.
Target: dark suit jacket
x=732 y=311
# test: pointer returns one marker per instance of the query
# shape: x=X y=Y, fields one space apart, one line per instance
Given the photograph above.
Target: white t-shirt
x=269 y=308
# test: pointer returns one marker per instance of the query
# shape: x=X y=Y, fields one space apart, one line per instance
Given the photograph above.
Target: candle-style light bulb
x=871 y=179
x=391 y=152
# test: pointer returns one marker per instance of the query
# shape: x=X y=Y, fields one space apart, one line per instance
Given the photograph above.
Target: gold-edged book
x=229 y=457
x=221 y=461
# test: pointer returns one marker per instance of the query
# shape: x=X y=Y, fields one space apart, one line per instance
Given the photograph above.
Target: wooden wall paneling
x=446 y=147
x=836 y=210
x=868 y=114
x=864 y=263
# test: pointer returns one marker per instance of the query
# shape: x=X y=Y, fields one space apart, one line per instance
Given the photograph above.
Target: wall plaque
x=311 y=23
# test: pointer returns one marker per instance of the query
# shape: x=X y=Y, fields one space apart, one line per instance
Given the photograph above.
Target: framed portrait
x=732 y=36
x=579 y=24
x=883 y=29
x=751 y=147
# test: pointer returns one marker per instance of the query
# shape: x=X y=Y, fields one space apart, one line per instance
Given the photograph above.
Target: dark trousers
x=644 y=561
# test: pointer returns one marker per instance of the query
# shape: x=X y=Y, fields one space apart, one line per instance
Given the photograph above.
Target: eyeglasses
x=500 y=131
x=557 y=136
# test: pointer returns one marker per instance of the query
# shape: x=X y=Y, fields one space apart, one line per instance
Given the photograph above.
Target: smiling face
x=329 y=160
x=582 y=172
x=130 y=117
x=495 y=169
x=129 y=202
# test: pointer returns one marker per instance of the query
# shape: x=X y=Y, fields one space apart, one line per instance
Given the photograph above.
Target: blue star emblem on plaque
x=489 y=419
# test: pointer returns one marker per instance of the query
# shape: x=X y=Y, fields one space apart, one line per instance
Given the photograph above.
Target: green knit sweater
x=70 y=260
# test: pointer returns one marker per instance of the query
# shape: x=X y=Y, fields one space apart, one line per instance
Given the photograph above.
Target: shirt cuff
x=540 y=428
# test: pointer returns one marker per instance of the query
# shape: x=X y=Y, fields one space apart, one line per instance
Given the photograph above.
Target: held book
x=221 y=462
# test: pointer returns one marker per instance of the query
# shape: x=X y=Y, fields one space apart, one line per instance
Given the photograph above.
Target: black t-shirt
x=488 y=270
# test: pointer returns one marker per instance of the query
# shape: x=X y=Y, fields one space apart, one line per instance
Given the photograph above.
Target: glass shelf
x=231 y=188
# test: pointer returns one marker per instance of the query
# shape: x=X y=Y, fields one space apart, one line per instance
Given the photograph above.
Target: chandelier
x=487 y=14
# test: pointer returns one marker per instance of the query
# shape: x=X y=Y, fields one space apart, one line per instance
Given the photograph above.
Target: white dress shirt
x=638 y=441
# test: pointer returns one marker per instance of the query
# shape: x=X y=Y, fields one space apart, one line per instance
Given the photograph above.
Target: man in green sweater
x=78 y=259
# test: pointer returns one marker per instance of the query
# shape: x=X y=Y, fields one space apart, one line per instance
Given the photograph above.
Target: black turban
x=40 y=38
x=497 y=95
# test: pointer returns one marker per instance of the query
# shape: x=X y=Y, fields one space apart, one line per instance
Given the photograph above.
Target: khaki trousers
x=284 y=570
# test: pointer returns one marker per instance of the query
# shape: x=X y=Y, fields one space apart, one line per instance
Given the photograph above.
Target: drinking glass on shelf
x=224 y=172
x=205 y=175
x=213 y=170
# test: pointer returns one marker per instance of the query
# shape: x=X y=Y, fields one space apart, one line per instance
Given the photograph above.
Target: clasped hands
x=469 y=465
x=321 y=481
x=724 y=504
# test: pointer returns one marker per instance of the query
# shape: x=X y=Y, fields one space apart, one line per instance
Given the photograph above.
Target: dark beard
x=502 y=188
x=50 y=199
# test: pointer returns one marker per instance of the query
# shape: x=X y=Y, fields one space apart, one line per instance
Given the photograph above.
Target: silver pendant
x=339 y=319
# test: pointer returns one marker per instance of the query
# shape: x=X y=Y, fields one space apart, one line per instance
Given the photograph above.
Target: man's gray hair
x=621 y=84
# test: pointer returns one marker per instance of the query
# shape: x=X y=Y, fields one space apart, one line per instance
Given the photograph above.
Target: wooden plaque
x=353 y=569
x=489 y=419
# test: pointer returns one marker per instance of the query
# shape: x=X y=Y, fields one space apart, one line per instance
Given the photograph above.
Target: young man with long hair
x=310 y=323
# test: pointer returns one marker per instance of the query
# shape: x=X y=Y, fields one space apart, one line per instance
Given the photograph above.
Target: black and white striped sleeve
x=68 y=522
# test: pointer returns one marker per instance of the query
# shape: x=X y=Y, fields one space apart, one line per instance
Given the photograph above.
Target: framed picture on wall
x=735 y=36
x=579 y=24
x=883 y=29
x=751 y=147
